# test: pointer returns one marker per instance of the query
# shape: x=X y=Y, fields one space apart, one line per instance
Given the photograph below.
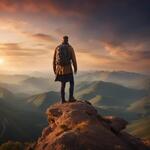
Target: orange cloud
x=127 y=59
x=49 y=6
x=43 y=37
x=15 y=50
x=8 y=6
x=12 y=25
x=121 y=51
x=93 y=61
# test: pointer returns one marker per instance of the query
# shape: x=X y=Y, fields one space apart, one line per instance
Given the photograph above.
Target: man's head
x=65 y=39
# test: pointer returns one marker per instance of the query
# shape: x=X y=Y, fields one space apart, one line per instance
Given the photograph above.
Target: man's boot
x=63 y=101
x=72 y=99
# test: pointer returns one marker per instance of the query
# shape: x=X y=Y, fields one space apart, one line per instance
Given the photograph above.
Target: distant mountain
x=126 y=75
x=22 y=115
x=97 y=100
x=41 y=74
x=115 y=74
x=15 y=100
x=110 y=98
x=37 y=82
x=147 y=84
x=22 y=89
x=22 y=120
x=12 y=79
x=42 y=101
x=141 y=106
x=110 y=94
x=27 y=84
x=30 y=86
x=128 y=79
x=6 y=94
x=42 y=82
x=140 y=128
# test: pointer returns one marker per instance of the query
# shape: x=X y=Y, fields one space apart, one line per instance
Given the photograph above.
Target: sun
x=1 y=61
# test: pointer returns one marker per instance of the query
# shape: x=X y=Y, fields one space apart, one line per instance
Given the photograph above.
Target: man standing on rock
x=64 y=57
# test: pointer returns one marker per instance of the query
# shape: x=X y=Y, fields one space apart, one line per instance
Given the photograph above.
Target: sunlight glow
x=1 y=61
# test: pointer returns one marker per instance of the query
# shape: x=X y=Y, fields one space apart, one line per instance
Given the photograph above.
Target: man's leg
x=71 y=91
x=63 y=84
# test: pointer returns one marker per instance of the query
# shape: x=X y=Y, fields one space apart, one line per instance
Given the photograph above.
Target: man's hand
x=75 y=71
x=54 y=69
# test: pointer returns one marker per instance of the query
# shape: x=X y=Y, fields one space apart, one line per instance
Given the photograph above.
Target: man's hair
x=65 y=37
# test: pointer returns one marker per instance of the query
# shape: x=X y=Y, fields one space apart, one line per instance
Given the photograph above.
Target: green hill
x=140 y=128
x=107 y=93
x=42 y=101
x=128 y=79
x=39 y=83
x=6 y=94
x=18 y=120
x=18 y=123
x=141 y=106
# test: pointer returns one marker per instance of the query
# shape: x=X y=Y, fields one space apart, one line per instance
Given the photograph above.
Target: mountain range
x=24 y=99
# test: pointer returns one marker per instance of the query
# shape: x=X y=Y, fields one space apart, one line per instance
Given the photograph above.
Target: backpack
x=63 y=56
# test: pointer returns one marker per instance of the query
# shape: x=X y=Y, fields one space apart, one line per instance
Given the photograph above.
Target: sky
x=105 y=34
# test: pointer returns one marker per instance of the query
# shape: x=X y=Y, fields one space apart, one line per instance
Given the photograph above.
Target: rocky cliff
x=78 y=126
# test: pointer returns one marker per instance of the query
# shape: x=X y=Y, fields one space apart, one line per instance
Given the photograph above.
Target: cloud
x=43 y=37
x=24 y=28
x=105 y=19
x=127 y=52
x=15 y=25
x=119 y=30
x=15 y=50
x=49 y=6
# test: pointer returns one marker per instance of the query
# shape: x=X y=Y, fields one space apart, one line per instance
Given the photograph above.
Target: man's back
x=64 y=56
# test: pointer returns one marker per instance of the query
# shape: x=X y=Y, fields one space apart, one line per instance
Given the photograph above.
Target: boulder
x=78 y=126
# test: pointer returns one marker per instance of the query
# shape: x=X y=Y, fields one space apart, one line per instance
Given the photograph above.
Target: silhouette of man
x=64 y=58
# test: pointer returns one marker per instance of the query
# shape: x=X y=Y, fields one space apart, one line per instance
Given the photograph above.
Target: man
x=63 y=59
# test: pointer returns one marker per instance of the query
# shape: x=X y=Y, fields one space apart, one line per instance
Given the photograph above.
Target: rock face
x=78 y=126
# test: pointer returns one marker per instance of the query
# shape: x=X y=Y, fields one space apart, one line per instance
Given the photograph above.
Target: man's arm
x=54 y=61
x=74 y=61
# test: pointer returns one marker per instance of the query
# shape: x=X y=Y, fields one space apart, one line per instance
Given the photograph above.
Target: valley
x=23 y=101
